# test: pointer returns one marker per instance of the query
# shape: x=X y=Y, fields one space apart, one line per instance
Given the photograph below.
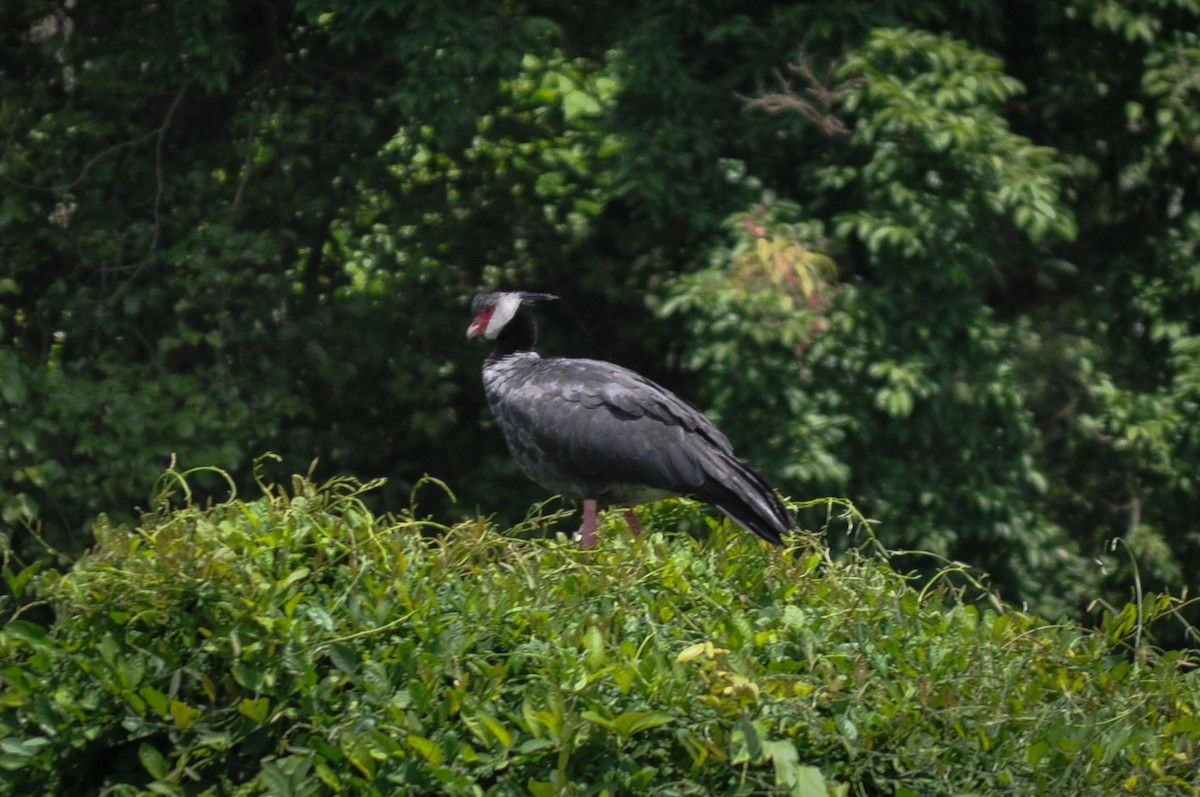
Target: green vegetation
x=941 y=258
x=936 y=257
x=296 y=644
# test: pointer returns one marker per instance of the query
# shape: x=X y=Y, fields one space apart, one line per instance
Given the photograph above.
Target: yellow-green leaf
x=184 y=715
x=255 y=709
x=705 y=649
x=541 y=788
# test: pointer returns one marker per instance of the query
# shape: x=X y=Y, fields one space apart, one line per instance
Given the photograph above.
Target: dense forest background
x=937 y=257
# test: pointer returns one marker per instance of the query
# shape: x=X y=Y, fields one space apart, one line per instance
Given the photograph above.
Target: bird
x=605 y=435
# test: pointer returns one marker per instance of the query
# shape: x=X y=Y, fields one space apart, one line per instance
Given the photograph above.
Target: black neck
x=519 y=334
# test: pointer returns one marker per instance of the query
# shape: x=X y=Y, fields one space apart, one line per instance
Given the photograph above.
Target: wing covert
x=602 y=423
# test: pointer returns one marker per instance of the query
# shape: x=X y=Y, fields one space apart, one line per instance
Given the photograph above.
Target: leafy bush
x=297 y=645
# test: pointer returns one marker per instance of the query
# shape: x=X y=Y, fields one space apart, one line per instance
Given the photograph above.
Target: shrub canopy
x=296 y=644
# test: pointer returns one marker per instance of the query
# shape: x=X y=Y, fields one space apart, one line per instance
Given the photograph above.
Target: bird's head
x=494 y=311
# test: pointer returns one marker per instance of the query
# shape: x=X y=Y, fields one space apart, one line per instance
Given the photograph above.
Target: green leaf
x=154 y=761
x=327 y=775
x=248 y=677
x=593 y=643
x=12 y=383
x=290 y=776
x=1036 y=751
x=132 y=670
x=344 y=658
x=155 y=699
x=299 y=574
x=27 y=631
x=487 y=728
x=597 y=718
x=17 y=581
x=810 y=783
x=430 y=750
x=624 y=676
x=578 y=103
x=746 y=742
x=633 y=722
x=23 y=748
x=359 y=751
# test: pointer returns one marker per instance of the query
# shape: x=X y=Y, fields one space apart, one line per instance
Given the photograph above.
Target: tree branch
x=817 y=103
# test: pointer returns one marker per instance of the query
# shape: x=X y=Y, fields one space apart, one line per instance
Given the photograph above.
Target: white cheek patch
x=506 y=307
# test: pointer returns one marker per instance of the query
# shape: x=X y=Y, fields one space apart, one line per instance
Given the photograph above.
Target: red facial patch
x=479 y=325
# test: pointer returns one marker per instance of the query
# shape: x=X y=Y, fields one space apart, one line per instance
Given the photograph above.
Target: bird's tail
x=749 y=501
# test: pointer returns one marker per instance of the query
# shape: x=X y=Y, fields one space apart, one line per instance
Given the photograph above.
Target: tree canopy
x=937 y=257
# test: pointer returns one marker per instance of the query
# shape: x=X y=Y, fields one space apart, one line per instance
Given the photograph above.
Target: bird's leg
x=632 y=520
x=586 y=536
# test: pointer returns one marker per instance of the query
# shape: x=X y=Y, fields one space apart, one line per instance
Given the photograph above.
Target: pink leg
x=632 y=520
x=586 y=536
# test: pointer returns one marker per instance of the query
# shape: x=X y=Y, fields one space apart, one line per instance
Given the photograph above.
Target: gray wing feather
x=608 y=423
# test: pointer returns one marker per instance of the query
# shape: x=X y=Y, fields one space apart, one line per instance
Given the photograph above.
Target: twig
x=158 y=170
x=161 y=133
x=818 y=106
